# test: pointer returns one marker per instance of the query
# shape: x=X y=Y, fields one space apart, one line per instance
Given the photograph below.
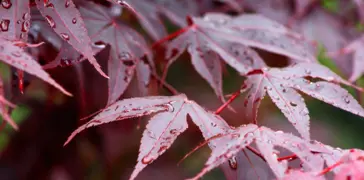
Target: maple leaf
x=4 y=104
x=16 y=57
x=15 y=19
x=148 y=12
x=129 y=54
x=164 y=127
x=356 y=48
x=344 y=162
x=351 y=165
x=282 y=86
x=66 y=21
x=266 y=140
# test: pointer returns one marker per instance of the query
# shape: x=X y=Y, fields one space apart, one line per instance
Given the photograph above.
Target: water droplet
x=65 y=36
x=64 y=62
x=248 y=135
x=169 y=107
x=293 y=104
x=99 y=44
x=4 y=24
x=67 y=4
x=25 y=26
x=74 y=20
x=124 y=56
x=147 y=159
x=121 y=2
x=26 y=16
x=16 y=53
x=162 y=148
x=49 y=5
x=213 y=124
x=307 y=71
x=347 y=100
x=233 y=163
x=50 y=21
x=6 y=4
x=173 y=131
x=128 y=63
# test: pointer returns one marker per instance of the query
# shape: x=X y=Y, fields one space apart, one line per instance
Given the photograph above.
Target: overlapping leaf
x=282 y=86
x=221 y=35
x=148 y=12
x=356 y=48
x=129 y=54
x=66 y=21
x=266 y=140
x=16 y=57
x=15 y=19
x=164 y=127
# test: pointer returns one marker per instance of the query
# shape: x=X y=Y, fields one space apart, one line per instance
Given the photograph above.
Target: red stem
x=171 y=36
x=231 y=99
x=328 y=169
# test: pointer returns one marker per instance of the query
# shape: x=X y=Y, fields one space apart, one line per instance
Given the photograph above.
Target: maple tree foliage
x=79 y=30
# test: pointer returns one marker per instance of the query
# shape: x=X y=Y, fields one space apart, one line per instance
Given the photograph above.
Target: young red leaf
x=15 y=19
x=129 y=52
x=66 y=21
x=16 y=57
x=282 y=84
x=266 y=140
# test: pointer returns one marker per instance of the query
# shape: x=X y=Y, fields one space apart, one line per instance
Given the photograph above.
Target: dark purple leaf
x=66 y=21
x=127 y=52
x=15 y=19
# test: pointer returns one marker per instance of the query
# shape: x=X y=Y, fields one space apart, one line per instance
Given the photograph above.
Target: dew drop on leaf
x=307 y=71
x=293 y=104
x=233 y=163
x=50 y=21
x=128 y=63
x=26 y=16
x=147 y=159
x=99 y=44
x=74 y=20
x=6 y=4
x=16 y=54
x=65 y=36
x=347 y=100
x=67 y=4
x=170 y=108
x=173 y=131
x=4 y=24
x=65 y=62
x=124 y=56
x=25 y=26
x=49 y=5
